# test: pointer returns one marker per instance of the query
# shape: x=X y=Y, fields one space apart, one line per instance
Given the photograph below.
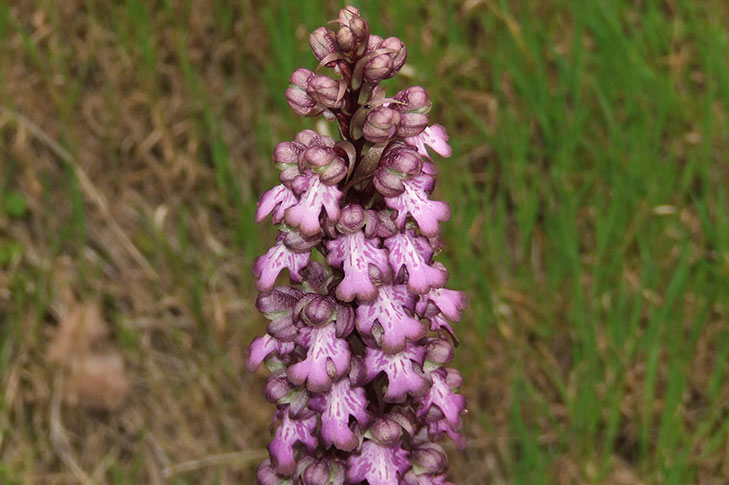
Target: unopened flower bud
x=353 y=35
x=351 y=219
x=317 y=473
x=386 y=431
x=278 y=387
x=317 y=156
x=388 y=183
x=309 y=138
x=439 y=350
x=315 y=310
x=412 y=124
x=399 y=56
x=357 y=371
x=324 y=471
x=345 y=320
x=414 y=100
x=315 y=278
x=381 y=124
x=282 y=329
x=287 y=153
x=453 y=378
x=325 y=91
x=266 y=475
x=386 y=226
x=402 y=160
x=370 y=223
x=347 y=14
x=322 y=44
x=299 y=100
x=333 y=173
x=430 y=457
x=289 y=175
x=373 y=43
x=299 y=243
x=279 y=300
x=378 y=68
x=345 y=40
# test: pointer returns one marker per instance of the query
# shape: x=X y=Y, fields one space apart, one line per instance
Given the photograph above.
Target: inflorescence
x=358 y=345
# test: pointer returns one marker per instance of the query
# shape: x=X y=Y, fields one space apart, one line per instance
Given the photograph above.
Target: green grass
x=588 y=188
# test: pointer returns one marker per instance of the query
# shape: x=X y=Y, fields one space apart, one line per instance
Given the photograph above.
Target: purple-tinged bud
x=414 y=100
x=287 y=153
x=352 y=39
x=277 y=302
x=430 y=458
x=381 y=124
x=310 y=138
x=412 y=124
x=301 y=78
x=378 y=68
x=434 y=414
x=317 y=157
x=315 y=310
x=351 y=219
x=298 y=400
x=402 y=160
x=282 y=329
x=266 y=475
x=373 y=43
x=370 y=223
x=326 y=91
x=347 y=14
x=345 y=320
x=353 y=35
x=439 y=351
x=453 y=378
x=299 y=243
x=405 y=417
x=322 y=44
x=399 y=55
x=278 y=387
x=388 y=184
x=299 y=100
x=333 y=173
x=386 y=227
x=289 y=175
x=357 y=371
x=386 y=431
x=315 y=278
x=345 y=40
x=317 y=473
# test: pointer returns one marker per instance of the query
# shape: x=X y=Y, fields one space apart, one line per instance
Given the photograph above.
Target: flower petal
x=287 y=434
x=389 y=310
x=267 y=267
x=315 y=195
x=450 y=302
x=435 y=137
x=402 y=370
x=414 y=253
x=440 y=394
x=327 y=359
x=379 y=465
x=354 y=253
x=336 y=407
x=414 y=200
x=276 y=200
x=262 y=347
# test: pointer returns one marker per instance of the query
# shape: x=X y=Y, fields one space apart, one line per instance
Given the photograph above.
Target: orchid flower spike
x=360 y=339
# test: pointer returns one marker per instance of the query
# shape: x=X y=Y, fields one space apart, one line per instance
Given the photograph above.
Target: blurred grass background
x=590 y=230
